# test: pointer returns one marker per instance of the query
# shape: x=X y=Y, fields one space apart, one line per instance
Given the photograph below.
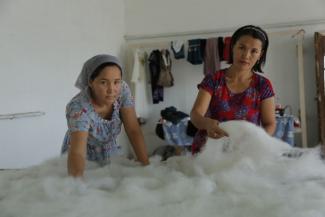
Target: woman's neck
x=237 y=74
x=104 y=110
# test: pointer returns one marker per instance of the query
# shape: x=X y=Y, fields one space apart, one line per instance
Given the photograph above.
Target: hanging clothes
x=166 y=78
x=226 y=48
x=220 y=48
x=211 y=56
x=194 y=55
x=177 y=47
x=157 y=91
x=139 y=82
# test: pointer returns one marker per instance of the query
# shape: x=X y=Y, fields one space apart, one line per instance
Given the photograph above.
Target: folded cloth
x=171 y=114
x=175 y=134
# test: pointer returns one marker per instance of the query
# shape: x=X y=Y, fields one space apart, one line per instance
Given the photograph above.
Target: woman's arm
x=134 y=133
x=268 y=115
x=77 y=153
x=198 y=111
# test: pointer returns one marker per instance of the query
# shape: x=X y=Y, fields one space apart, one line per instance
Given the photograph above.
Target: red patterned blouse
x=225 y=105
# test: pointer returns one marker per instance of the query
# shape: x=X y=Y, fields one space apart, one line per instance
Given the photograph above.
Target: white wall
x=42 y=48
x=168 y=16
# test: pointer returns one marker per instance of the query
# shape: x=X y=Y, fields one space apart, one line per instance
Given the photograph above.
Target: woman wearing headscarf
x=96 y=113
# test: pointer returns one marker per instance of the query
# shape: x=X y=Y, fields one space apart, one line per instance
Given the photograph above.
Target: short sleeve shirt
x=226 y=105
x=102 y=133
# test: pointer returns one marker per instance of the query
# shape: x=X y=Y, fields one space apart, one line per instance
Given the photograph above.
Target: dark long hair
x=257 y=33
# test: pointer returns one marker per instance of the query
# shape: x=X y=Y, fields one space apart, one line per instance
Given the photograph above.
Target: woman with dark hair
x=96 y=114
x=237 y=92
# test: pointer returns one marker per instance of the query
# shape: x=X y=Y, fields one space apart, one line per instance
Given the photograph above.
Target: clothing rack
x=220 y=31
x=164 y=42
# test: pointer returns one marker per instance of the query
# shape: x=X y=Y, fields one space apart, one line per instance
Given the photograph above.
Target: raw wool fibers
x=246 y=174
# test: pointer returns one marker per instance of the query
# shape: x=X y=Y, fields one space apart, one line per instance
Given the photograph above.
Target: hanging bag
x=165 y=77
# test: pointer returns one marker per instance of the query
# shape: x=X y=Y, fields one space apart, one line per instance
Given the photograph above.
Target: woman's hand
x=213 y=129
x=198 y=118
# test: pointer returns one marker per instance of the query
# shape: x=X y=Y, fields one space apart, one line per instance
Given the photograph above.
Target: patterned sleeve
x=266 y=89
x=77 y=117
x=207 y=84
x=126 y=96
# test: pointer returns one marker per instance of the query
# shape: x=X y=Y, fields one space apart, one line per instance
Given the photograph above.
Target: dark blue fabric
x=194 y=55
